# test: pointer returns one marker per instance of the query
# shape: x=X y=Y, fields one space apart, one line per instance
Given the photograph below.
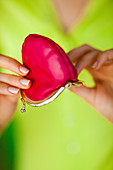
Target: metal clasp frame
x=25 y=100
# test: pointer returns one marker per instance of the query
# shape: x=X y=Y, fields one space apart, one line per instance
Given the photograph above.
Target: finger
x=76 y=53
x=105 y=57
x=93 y=96
x=89 y=94
x=86 y=60
x=6 y=89
x=13 y=65
x=14 y=80
x=86 y=93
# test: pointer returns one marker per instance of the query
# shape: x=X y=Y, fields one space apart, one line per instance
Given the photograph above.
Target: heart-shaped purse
x=51 y=71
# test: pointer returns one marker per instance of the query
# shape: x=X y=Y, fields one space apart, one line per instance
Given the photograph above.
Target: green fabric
x=67 y=134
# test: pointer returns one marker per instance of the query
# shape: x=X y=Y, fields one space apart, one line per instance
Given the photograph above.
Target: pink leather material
x=50 y=67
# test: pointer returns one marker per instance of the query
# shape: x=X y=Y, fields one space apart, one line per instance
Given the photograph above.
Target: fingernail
x=94 y=65
x=13 y=90
x=25 y=82
x=23 y=69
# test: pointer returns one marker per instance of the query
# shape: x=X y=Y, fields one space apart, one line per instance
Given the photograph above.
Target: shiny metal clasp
x=25 y=100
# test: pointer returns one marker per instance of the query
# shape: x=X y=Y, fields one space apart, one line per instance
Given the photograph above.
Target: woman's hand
x=10 y=86
x=100 y=65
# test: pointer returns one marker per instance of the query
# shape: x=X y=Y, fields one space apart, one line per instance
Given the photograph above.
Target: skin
x=100 y=97
x=70 y=12
x=98 y=63
x=100 y=66
x=7 y=82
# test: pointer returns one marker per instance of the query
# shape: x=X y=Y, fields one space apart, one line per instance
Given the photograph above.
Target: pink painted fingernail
x=94 y=65
x=13 y=90
x=24 y=69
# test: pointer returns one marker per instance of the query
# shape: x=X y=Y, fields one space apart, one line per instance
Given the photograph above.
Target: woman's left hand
x=100 y=65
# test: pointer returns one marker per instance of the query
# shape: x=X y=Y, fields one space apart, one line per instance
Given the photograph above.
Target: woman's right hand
x=10 y=86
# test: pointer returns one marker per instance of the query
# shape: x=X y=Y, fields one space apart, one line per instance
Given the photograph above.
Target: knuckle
x=11 y=62
x=2 y=87
x=86 y=45
x=109 y=54
x=15 y=80
x=102 y=54
x=9 y=78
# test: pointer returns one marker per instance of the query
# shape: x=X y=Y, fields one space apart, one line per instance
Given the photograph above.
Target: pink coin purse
x=51 y=71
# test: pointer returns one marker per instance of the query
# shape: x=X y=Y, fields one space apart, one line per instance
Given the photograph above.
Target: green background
x=67 y=134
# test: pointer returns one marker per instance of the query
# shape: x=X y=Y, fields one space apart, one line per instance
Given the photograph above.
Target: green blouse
x=66 y=134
